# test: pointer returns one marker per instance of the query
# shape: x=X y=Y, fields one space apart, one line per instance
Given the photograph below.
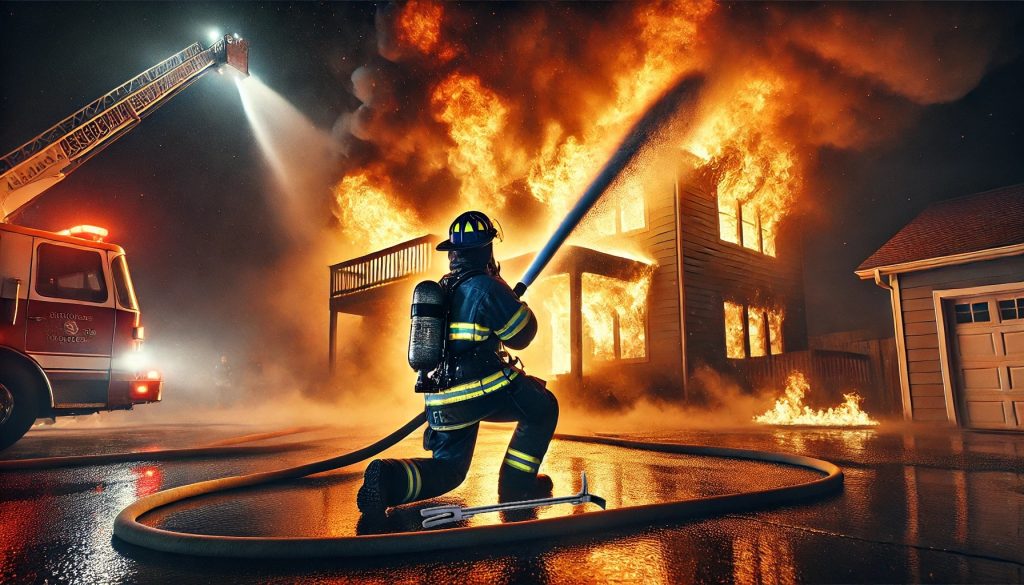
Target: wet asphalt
x=919 y=505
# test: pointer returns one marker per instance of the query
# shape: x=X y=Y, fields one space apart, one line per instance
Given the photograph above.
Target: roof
x=956 y=230
x=7 y=227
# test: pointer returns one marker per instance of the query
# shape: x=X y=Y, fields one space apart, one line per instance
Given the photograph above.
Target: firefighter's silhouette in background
x=482 y=382
x=223 y=377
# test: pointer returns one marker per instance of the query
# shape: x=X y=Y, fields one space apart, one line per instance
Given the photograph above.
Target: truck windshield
x=123 y=284
x=70 y=273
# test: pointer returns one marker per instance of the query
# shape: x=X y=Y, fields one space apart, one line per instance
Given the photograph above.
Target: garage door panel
x=1017 y=378
x=981 y=379
x=974 y=345
x=988 y=413
x=986 y=347
x=1014 y=342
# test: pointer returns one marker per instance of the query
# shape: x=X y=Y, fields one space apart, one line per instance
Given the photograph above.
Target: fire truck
x=71 y=331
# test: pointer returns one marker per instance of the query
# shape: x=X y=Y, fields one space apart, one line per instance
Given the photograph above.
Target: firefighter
x=477 y=381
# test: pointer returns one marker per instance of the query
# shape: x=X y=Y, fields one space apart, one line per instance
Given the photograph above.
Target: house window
x=1009 y=309
x=759 y=331
x=972 y=313
x=729 y=221
x=741 y=224
x=614 y=318
x=768 y=239
x=775 y=331
x=734 y=342
x=751 y=227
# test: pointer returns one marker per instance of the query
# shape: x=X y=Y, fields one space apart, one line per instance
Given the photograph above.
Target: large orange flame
x=791 y=410
x=476 y=117
x=372 y=218
x=755 y=166
x=615 y=316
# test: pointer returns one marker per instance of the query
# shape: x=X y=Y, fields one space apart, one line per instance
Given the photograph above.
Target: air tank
x=427 y=331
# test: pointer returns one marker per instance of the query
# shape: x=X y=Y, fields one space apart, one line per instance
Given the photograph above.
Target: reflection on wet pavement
x=919 y=505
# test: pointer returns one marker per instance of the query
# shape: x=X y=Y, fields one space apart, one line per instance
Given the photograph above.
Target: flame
x=734 y=346
x=419 y=27
x=758 y=333
x=756 y=168
x=615 y=316
x=369 y=215
x=554 y=294
x=476 y=117
x=568 y=160
x=790 y=409
x=484 y=157
x=775 y=317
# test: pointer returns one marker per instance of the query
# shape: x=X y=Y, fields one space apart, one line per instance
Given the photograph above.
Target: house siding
x=921 y=340
x=715 y=270
x=664 y=345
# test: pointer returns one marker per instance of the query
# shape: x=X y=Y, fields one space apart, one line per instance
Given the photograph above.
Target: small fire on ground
x=791 y=410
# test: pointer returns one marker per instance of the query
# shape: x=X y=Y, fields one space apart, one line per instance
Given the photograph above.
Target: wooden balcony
x=354 y=282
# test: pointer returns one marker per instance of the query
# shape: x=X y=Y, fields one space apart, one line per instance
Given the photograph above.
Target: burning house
x=665 y=280
x=694 y=268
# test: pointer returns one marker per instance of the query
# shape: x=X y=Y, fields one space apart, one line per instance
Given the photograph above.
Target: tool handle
x=519 y=290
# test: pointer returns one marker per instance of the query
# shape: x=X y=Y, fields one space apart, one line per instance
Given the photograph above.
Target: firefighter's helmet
x=471 y=229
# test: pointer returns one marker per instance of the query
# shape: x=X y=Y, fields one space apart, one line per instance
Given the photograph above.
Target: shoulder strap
x=449 y=283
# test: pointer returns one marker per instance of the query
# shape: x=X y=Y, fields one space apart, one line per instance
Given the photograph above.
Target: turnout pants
x=526 y=402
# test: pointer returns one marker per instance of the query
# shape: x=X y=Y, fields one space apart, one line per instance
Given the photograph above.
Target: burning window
x=751 y=229
x=756 y=328
x=734 y=346
x=614 y=317
x=758 y=334
x=768 y=239
x=775 y=331
x=728 y=221
x=742 y=224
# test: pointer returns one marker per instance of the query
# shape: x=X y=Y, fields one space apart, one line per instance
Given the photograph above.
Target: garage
x=955 y=278
x=988 y=359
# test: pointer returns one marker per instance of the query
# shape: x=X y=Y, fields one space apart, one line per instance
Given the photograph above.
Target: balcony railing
x=384 y=266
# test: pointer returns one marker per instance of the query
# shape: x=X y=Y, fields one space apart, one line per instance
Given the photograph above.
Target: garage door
x=989 y=359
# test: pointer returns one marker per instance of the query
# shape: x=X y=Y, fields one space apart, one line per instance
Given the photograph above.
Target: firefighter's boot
x=376 y=494
x=514 y=489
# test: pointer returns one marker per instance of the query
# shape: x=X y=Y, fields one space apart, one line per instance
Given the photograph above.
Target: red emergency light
x=86 y=232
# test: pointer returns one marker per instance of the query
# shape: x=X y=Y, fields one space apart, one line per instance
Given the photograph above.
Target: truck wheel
x=18 y=409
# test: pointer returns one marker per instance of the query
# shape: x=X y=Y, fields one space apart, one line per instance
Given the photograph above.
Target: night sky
x=186 y=193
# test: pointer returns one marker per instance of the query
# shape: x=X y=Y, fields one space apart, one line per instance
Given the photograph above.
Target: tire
x=19 y=407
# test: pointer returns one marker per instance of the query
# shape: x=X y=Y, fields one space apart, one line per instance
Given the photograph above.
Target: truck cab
x=70 y=329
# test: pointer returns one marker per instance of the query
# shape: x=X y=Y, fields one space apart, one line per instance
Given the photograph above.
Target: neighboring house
x=956 y=279
x=741 y=291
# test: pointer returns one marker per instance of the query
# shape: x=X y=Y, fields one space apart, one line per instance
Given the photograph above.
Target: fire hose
x=128 y=528
x=215 y=449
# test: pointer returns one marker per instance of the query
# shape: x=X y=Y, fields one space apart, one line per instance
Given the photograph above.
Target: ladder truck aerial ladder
x=70 y=327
